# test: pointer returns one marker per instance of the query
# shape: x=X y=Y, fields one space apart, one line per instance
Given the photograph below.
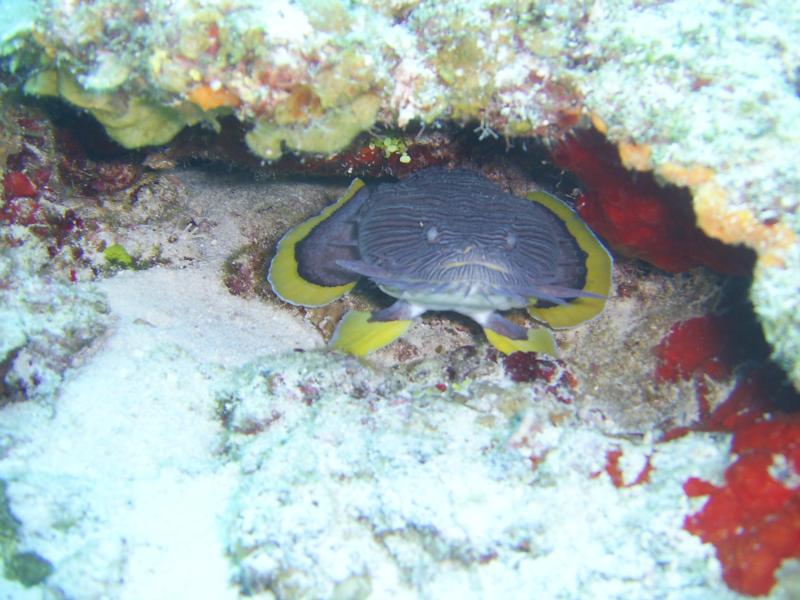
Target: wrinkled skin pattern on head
x=454 y=232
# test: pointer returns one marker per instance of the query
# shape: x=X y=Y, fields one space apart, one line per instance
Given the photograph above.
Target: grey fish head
x=456 y=234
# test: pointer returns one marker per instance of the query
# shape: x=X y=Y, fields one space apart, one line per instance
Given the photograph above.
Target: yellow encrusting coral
x=131 y=121
x=635 y=156
x=740 y=226
x=684 y=175
x=330 y=133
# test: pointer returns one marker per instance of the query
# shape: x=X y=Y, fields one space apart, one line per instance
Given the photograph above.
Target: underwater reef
x=168 y=425
x=703 y=97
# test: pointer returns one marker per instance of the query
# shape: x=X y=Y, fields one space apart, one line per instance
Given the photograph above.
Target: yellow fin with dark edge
x=284 y=276
x=598 y=270
x=539 y=340
x=356 y=335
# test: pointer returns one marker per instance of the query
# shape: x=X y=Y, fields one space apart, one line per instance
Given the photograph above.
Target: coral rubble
x=356 y=483
x=44 y=320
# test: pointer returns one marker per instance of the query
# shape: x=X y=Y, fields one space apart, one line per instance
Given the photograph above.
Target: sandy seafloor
x=207 y=446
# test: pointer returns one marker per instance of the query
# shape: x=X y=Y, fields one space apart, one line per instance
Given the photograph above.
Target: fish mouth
x=457 y=264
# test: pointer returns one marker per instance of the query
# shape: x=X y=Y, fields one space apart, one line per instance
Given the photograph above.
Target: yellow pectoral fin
x=598 y=270
x=284 y=275
x=356 y=335
x=539 y=340
x=572 y=313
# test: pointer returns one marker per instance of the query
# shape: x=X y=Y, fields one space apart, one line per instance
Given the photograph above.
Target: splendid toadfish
x=446 y=241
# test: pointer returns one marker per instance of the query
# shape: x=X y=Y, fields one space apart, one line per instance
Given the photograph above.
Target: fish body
x=447 y=240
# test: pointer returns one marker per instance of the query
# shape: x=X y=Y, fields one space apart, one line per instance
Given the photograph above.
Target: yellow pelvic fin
x=539 y=340
x=598 y=270
x=356 y=335
x=284 y=276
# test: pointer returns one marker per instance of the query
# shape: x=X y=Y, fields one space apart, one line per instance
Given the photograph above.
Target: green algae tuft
x=28 y=568
x=117 y=255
